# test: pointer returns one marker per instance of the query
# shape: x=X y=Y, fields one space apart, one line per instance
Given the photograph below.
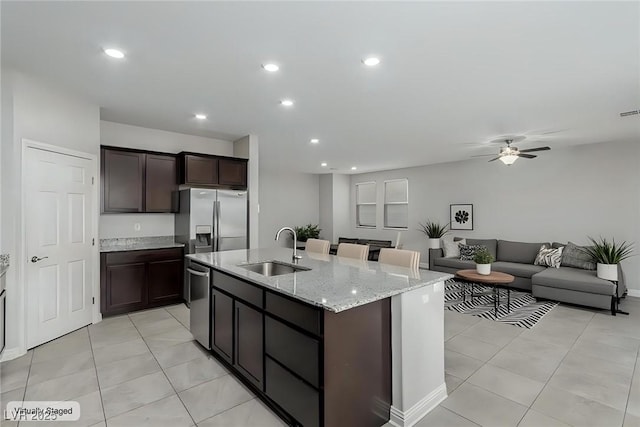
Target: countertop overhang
x=333 y=283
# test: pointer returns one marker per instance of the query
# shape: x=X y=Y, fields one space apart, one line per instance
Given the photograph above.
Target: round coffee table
x=496 y=279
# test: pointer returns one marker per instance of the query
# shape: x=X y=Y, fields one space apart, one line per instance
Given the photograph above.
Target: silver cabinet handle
x=198 y=273
x=36 y=259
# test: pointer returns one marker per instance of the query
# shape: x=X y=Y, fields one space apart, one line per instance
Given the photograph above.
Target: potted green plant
x=309 y=231
x=483 y=260
x=434 y=231
x=607 y=255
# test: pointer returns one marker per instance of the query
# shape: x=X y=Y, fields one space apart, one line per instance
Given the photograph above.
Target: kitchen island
x=340 y=342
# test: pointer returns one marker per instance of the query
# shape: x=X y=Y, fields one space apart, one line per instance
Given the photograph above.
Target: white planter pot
x=484 y=269
x=607 y=271
x=434 y=243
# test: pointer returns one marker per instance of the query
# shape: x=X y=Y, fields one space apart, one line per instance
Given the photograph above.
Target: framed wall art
x=461 y=217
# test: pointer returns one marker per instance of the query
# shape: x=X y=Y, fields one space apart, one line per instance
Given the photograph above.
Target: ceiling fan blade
x=527 y=156
x=494 y=159
x=530 y=150
x=483 y=155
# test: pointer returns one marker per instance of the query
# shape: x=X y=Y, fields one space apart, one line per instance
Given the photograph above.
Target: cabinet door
x=124 y=288
x=200 y=170
x=222 y=325
x=122 y=181
x=165 y=280
x=160 y=183
x=233 y=172
x=249 y=343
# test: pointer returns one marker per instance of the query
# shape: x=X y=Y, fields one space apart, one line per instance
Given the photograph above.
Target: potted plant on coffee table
x=483 y=260
x=434 y=231
x=607 y=255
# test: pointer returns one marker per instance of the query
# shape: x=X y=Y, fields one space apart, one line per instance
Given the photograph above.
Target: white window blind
x=396 y=203
x=366 y=204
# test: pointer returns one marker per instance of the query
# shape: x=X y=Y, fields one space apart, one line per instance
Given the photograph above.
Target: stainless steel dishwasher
x=200 y=315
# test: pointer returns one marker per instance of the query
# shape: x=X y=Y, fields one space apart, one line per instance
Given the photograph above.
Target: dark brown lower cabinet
x=249 y=342
x=222 y=325
x=136 y=280
x=313 y=367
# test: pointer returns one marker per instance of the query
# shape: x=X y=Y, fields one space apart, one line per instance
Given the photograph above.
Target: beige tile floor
x=577 y=367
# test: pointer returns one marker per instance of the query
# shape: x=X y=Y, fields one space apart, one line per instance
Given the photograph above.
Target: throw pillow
x=549 y=257
x=451 y=249
x=574 y=256
x=467 y=252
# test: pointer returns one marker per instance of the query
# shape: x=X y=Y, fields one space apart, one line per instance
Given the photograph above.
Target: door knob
x=36 y=259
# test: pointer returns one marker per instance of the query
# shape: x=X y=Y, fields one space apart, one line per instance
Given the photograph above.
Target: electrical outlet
x=136 y=226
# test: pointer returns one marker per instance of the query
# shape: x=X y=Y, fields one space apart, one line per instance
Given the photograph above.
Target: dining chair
x=400 y=257
x=317 y=246
x=351 y=250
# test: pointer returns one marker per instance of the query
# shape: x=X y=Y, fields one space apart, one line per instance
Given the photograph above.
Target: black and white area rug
x=525 y=310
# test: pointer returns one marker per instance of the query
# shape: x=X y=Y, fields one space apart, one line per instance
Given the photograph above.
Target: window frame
x=374 y=204
x=385 y=203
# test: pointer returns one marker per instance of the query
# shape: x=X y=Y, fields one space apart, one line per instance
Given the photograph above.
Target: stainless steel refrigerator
x=211 y=221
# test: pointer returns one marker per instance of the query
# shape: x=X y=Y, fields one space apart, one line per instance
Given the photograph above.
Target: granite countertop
x=138 y=243
x=4 y=263
x=333 y=283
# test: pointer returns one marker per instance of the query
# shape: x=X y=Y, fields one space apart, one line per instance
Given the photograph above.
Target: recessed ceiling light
x=324 y=165
x=270 y=67
x=286 y=102
x=201 y=116
x=114 y=53
x=353 y=168
x=314 y=140
x=372 y=61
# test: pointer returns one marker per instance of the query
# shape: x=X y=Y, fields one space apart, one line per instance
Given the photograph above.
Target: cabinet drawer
x=293 y=349
x=238 y=288
x=293 y=395
x=128 y=257
x=302 y=315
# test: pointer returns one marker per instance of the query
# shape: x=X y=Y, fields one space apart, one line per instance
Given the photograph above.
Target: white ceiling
x=453 y=75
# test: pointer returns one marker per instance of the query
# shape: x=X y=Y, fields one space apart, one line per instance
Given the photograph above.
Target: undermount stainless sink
x=273 y=268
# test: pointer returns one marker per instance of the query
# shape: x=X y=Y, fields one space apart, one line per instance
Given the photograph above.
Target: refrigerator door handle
x=217 y=210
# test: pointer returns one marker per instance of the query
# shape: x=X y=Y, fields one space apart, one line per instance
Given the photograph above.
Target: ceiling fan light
x=509 y=159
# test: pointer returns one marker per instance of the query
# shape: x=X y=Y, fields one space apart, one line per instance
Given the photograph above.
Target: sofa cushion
x=468 y=252
x=451 y=248
x=518 y=251
x=549 y=257
x=454 y=263
x=557 y=245
x=490 y=244
x=575 y=279
x=574 y=256
x=517 y=269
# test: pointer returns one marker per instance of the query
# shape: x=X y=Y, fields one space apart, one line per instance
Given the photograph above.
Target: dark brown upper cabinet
x=160 y=183
x=122 y=177
x=212 y=171
x=233 y=172
x=137 y=181
x=198 y=170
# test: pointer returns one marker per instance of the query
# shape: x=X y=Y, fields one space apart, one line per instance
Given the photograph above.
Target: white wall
x=248 y=148
x=45 y=113
x=121 y=135
x=565 y=194
x=334 y=196
x=286 y=199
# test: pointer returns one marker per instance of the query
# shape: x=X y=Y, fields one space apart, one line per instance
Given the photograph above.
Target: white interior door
x=59 y=203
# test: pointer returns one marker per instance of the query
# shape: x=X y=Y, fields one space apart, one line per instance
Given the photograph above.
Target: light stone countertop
x=333 y=283
x=138 y=243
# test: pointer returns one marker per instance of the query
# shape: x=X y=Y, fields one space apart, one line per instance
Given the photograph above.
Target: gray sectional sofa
x=565 y=284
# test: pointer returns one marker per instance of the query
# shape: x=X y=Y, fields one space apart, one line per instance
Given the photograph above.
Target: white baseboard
x=633 y=292
x=419 y=410
x=12 y=353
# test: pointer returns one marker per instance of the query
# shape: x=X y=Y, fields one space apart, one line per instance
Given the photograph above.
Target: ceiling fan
x=509 y=154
